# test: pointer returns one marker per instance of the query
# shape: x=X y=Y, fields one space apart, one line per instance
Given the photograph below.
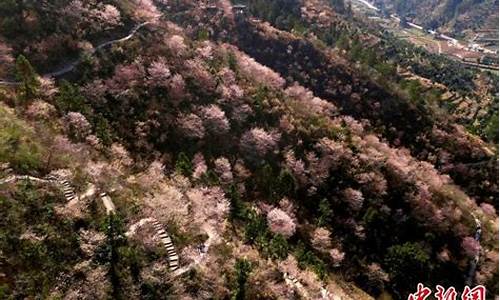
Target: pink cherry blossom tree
x=176 y=45
x=470 y=246
x=321 y=239
x=223 y=169
x=145 y=10
x=337 y=256
x=255 y=71
x=159 y=73
x=177 y=89
x=76 y=125
x=354 y=198
x=214 y=119
x=257 y=142
x=280 y=222
x=197 y=69
x=191 y=126
x=199 y=165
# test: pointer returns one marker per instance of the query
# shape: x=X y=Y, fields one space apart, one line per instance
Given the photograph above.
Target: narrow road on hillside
x=369 y=5
x=70 y=66
x=473 y=265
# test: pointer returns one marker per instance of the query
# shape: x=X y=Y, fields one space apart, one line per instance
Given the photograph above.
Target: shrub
x=237 y=210
x=407 y=264
x=27 y=76
x=70 y=99
x=242 y=270
x=306 y=258
x=278 y=247
x=286 y=184
x=17 y=145
x=325 y=212
x=183 y=165
x=255 y=226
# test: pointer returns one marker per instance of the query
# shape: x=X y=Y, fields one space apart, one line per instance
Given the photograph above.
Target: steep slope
x=235 y=182
x=455 y=16
x=366 y=84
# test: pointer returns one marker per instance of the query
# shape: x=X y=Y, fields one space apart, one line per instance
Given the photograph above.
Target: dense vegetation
x=384 y=55
x=456 y=16
x=37 y=246
x=264 y=153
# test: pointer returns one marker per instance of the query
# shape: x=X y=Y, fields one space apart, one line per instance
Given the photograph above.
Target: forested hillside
x=458 y=17
x=215 y=150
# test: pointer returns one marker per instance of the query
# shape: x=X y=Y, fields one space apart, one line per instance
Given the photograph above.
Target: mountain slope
x=455 y=16
x=237 y=160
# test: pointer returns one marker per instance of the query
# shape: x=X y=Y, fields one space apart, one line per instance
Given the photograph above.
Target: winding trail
x=70 y=66
x=473 y=265
x=295 y=284
x=67 y=189
x=369 y=5
x=212 y=237
x=172 y=257
x=13 y=178
x=6 y=82
x=70 y=195
x=166 y=240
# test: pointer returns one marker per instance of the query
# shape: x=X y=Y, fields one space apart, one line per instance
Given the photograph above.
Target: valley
x=480 y=51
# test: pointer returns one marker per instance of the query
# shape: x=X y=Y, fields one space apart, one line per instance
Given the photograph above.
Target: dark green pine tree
x=27 y=76
x=242 y=270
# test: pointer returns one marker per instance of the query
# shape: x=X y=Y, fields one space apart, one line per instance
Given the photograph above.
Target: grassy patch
x=17 y=143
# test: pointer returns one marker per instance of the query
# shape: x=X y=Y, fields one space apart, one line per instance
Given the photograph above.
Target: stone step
x=173 y=257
